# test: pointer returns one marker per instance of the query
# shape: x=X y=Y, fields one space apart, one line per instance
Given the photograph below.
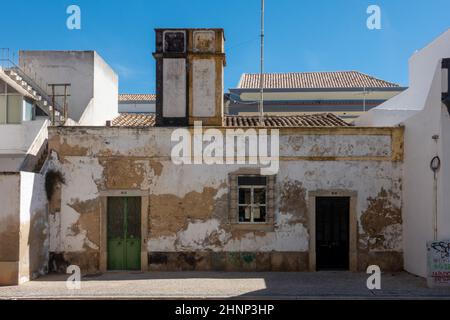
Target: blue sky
x=319 y=35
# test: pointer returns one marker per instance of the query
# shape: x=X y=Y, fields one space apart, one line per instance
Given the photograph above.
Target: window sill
x=248 y=226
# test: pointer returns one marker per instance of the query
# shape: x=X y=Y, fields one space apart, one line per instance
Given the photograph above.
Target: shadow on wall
x=34 y=227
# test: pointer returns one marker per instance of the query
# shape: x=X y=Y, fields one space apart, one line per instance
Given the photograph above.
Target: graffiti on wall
x=438 y=254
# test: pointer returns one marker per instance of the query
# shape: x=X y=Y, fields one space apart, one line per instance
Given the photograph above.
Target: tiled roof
x=134 y=120
x=312 y=80
x=136 y=97
x=310 y=120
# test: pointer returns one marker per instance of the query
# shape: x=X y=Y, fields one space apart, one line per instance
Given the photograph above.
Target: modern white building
x=347 y=94
x=421 y=109
x=93 y=84
x=137 y=103
x=63 y=88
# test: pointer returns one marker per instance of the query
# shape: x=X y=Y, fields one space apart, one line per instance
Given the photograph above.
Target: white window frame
x=252 y=205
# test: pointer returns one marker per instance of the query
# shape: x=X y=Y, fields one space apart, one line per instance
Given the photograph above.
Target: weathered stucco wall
x=9 y=227
x=189 y=225
x=34 y=241
x=174 y=77
x=23 y=227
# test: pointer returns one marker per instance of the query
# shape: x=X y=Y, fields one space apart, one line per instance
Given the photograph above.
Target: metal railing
x=7 y=63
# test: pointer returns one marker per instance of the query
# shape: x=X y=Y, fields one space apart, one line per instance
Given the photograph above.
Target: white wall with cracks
x=200 y=193
x=80 y=175
x=365 y=177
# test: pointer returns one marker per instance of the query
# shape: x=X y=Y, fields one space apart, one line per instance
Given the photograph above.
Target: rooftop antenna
x=261 y=73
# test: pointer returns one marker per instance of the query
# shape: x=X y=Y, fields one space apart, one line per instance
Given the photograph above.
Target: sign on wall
x=438 y=257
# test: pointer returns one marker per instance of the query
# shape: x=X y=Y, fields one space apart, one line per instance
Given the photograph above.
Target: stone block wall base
x=228 y=261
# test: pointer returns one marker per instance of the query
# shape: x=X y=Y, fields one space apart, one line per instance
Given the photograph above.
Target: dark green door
x=124 y=233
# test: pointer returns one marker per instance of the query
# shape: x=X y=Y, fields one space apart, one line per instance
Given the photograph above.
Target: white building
x=91 y=91
x=347 y=94
x=93 y=84
x=137 y=103
x=70 y=88
x=426 y=213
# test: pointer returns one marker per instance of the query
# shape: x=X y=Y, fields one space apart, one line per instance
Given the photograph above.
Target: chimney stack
x=189 y=76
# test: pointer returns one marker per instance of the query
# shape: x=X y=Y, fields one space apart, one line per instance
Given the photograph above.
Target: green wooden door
x=124 y=233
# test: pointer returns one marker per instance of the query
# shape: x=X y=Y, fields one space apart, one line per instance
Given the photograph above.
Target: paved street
x=205 y=285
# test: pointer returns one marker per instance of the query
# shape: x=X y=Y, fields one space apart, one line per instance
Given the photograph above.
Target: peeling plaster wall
x=188 y=204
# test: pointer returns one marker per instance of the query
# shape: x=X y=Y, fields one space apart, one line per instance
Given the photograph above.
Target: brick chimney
x=189 y=76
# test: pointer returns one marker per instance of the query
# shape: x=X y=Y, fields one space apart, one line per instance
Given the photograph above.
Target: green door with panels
x=124 y=233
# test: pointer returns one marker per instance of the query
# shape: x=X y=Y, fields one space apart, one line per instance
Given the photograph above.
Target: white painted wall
x=106 y=94
x=137 y=107
x=84 y=174
x=204 y=87
x=90 y=77
x=74 y=67
x=34 y=240
x=420 y=109
x=320 y=95
x=174 y=88
x=18 y=138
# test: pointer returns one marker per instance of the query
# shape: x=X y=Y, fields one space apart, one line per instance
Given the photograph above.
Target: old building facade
x=188 y=215
x=121 y=201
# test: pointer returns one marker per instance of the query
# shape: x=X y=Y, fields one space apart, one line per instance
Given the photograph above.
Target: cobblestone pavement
x=216 y=285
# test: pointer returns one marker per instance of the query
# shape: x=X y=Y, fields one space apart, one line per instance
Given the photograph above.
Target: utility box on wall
x=189 y=76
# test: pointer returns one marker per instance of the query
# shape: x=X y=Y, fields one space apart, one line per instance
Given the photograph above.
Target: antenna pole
x=364 y=99
x=261 y=75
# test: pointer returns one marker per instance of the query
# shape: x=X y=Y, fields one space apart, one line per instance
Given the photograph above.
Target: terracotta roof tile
x=136 y=97
x=311 y=80
x=310 y=120
x=134 y=120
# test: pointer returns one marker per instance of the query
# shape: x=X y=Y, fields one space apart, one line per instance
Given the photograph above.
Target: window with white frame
x=11 y=108
x=252 y=199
